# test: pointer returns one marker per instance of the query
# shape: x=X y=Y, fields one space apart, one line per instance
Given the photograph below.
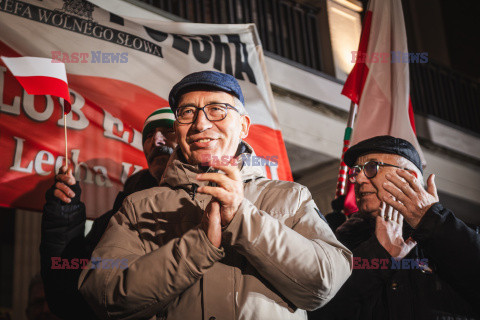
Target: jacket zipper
x=194 y=190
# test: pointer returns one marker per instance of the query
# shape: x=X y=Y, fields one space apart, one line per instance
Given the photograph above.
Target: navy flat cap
x=205 y=80
x=383 y=144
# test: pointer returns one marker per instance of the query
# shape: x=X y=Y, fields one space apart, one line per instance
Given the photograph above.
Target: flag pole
x=342 y=172
x=66 y=141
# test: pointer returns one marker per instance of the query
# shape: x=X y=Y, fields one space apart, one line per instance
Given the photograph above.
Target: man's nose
x=159 y=138
x=361 y=177
x=201 y=123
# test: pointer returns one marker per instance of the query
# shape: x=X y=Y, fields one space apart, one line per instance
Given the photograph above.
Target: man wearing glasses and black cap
x=413 y=259
x=216 y=242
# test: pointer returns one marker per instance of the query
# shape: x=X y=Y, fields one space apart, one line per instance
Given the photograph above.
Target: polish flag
x=41 y=76
x=379 y=85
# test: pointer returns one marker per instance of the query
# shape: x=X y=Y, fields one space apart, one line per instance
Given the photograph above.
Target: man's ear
x=245 y=123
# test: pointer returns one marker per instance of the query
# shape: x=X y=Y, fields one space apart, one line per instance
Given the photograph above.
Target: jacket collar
x=180 y=174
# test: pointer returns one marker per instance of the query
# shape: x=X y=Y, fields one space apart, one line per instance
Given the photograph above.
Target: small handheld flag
x=43 y=76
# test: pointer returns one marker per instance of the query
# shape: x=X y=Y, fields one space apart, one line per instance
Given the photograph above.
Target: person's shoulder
x=139 y=181
x=139 y=204
x=357 y=223
x=138 y=175
x=280 y=191
x=280 y=185
x=145 y=194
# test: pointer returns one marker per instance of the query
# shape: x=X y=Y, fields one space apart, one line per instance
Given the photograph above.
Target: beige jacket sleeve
x=151 y=280
x=306 y=263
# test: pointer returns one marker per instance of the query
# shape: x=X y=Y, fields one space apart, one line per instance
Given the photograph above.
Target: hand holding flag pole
x=43 y=76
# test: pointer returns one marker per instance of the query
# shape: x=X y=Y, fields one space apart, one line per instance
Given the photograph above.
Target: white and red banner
x=119 y=71
x=378 y=84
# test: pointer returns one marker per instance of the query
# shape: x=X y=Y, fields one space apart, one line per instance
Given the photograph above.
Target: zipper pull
x=194 y=190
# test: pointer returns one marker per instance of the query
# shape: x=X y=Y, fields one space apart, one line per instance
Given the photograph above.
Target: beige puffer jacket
x=278 y=257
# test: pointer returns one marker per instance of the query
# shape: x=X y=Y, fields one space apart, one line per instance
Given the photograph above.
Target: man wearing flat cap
x=413 y=259
x=216 y=242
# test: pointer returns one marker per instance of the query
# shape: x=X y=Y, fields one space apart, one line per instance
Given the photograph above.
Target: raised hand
x=408 y=196
x=388 y=229
x=228 y=192
x=64 y=179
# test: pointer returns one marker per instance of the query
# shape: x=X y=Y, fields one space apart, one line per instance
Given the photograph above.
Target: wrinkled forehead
x=163 y=129
x=382 y=157
x=205 y=96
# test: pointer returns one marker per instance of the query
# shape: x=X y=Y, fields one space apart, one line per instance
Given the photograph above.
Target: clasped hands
x=227 y=197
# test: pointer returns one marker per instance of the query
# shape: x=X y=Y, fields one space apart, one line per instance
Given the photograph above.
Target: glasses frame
x=353 y=178
x=226 y=105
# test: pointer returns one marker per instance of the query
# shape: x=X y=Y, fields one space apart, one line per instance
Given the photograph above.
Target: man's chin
x=370 y=208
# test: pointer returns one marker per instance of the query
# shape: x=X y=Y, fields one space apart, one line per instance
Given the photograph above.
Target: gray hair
x=239 y=105
x=410 y=166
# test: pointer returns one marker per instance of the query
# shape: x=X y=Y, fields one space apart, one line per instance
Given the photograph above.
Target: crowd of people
x=192 y=239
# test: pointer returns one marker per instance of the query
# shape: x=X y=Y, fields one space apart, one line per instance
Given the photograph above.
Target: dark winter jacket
x=63 y=228
x=440 y=278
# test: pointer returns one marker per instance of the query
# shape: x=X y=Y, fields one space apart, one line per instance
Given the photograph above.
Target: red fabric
x=268 y=143
x=40 y=85
x=350 y=204
x=356 y=79
x=411 y=115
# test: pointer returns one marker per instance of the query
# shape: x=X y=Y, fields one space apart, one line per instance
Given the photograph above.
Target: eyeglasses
x=213 y=112
x=370 y=169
